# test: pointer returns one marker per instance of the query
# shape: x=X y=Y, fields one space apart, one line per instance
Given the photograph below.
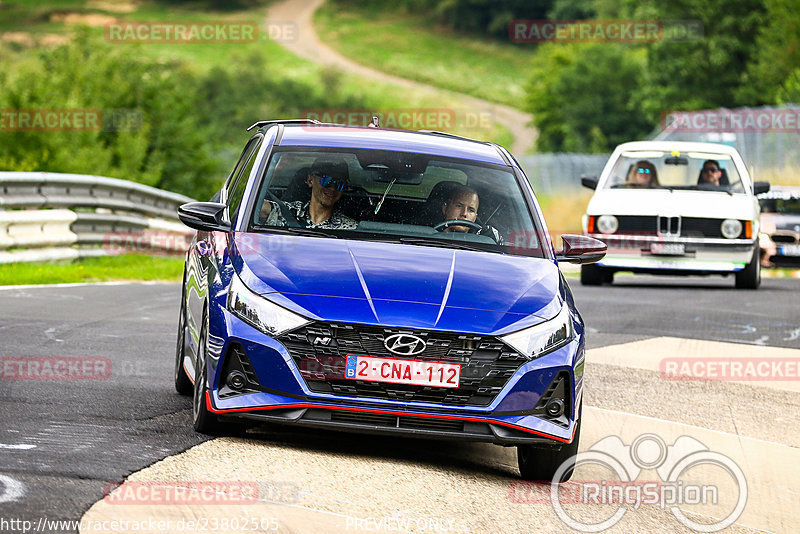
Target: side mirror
x=589 y=180
x=581 y=249
x=760 y=187
x=204 y=216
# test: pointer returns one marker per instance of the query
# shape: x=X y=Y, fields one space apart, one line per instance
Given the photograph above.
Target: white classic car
x=666 y=207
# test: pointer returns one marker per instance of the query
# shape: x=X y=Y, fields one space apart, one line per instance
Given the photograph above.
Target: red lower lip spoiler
x=211 y=408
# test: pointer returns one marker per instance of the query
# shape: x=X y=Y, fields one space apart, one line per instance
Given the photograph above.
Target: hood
x=399 y=285
x=708 y=204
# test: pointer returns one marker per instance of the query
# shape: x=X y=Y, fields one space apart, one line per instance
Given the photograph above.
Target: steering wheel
x=457 y=222
x=473 y=227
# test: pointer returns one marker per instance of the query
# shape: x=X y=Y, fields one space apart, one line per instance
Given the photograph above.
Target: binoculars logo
x=672 y=463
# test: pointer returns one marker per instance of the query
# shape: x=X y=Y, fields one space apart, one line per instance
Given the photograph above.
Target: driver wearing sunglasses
x=327 y=179
x=711 y=173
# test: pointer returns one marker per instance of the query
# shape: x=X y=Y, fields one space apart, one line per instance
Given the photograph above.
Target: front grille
x=319 y=350
x=636 y=224
x=689 y=226
x=395 y=421
x=700 y=227
x=784 y=238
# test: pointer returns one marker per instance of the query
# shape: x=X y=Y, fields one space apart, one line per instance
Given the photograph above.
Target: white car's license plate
x=414 y=372
x=790 y=250
x=668 y=249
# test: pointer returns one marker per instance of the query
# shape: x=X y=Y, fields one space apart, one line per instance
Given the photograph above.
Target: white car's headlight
x=607 y=224
x=543 y=338
x=731 y=228
x=259 y=312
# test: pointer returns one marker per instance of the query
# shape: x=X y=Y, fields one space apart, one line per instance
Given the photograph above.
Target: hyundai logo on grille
x=404 y=344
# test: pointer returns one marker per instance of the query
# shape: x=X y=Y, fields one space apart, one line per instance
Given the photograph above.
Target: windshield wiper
x=445 y=243
x=294 y=230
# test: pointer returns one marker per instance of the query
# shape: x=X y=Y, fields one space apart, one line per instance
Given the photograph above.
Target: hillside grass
x=413 y=46
x=37 y=21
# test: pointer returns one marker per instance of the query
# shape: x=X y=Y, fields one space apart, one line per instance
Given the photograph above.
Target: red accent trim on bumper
x=211 y=408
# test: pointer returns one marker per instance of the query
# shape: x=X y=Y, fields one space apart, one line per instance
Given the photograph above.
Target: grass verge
x=103 y=269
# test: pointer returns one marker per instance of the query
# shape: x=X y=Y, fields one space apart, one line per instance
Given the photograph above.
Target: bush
x=188 y=128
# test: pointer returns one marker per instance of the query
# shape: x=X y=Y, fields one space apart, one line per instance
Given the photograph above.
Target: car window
x=653 y=169
x=230 y=183
x=237 y=193
x=397 y=196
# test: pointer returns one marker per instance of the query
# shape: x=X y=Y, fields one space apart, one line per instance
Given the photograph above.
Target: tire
x=750 y=276
x=182 y=383
x=203 y=420
x=592 y=275
x=537 y=463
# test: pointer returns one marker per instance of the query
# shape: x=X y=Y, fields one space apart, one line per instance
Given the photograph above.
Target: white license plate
x=790 y=250
x=414 y=372
x=667 y=249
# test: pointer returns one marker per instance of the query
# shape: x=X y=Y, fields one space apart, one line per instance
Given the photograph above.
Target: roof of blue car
x=383 y=139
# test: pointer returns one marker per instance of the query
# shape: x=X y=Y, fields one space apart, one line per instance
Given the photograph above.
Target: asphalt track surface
x=63 y=442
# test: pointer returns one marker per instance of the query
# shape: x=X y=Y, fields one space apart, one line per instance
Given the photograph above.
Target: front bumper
x=282 y=395
x=701 y=255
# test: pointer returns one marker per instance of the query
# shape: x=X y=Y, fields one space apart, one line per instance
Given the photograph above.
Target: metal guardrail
x=47 y=216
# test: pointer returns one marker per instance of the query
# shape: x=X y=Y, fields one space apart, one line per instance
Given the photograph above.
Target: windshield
x=664 y=170
x=393 y=196
x=789 y=205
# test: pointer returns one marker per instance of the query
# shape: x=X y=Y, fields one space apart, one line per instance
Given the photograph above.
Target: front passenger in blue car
x=327 y=180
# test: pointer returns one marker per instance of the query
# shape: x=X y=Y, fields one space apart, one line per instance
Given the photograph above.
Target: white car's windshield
x=653 y=169
x=406 y=197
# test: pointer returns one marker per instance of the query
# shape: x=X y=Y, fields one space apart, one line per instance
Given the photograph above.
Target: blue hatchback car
x=382 y=281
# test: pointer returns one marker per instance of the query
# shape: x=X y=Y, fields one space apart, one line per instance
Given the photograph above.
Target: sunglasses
x=332 y=181
x=642 y=170
x=712 y=169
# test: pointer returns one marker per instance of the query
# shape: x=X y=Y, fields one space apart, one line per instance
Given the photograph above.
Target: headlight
x=542 y=338
x=731 y=228
x=259 y=312
x=607 y=224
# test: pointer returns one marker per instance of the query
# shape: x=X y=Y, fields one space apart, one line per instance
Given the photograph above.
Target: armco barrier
x=47 y=216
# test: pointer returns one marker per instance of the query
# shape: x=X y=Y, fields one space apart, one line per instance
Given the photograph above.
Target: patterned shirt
x=337 y=221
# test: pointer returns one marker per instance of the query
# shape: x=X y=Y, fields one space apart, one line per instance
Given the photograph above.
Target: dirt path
x=309 y=46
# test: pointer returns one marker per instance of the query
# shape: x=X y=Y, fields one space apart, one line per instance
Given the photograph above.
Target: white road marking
x=84 y=284
x=20 y=446
x=13 y=490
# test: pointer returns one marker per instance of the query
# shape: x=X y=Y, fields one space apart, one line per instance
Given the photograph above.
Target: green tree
x=705 y=72
x=584 y=96
x=777 y=55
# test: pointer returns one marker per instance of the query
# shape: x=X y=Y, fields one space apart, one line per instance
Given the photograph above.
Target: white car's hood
x=706 y=204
